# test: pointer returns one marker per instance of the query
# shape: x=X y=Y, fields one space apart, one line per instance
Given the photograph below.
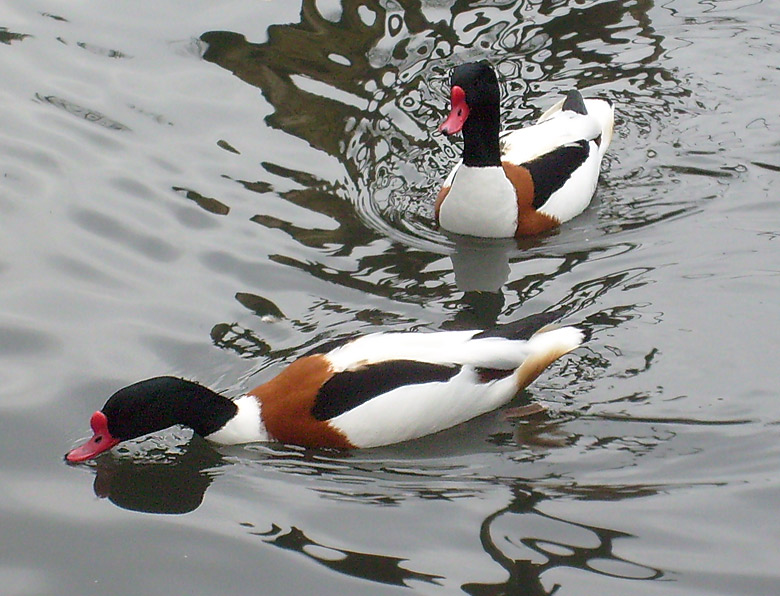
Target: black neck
x=161 y=402
x=480 y=136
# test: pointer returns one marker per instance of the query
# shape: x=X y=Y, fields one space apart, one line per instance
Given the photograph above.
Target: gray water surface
x=210 y=189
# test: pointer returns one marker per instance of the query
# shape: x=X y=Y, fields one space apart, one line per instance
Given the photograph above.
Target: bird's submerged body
x=524 y=181
x=375 y=390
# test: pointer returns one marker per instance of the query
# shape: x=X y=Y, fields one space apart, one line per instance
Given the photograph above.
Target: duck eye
x=98 y=439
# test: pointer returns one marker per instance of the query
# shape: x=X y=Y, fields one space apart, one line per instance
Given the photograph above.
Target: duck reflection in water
x=556 y=543
x=520 y=537
x=174 y=483
x=481 y=267
x=177 y=483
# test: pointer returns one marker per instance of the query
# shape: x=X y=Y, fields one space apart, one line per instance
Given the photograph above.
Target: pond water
x=210 y=189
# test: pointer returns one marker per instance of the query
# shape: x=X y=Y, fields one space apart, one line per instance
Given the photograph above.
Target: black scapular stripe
x=348 y=389
x=551 y=170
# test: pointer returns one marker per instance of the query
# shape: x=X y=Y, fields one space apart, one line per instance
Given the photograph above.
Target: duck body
x=374 y=390
x=526 y=181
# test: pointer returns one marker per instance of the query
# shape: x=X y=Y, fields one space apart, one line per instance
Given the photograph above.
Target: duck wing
x=394 y=387
x=570 y=120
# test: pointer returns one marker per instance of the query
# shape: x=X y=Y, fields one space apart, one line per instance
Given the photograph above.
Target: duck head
x=152 y=405
x=473 y=86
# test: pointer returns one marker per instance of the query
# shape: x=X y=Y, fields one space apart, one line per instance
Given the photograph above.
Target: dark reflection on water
x=369 y=88
x=525 y=574
x=371 y=567
x=239 y=339
x=8 y=37
x=370 y=91
x=520 y=537
x=340 y=237
x=81 y=112
x=209 y=204
x=173 y=482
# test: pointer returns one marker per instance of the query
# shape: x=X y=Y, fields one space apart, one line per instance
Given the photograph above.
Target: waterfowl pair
x=374 y=390
x=524 y=181
x=387 y=388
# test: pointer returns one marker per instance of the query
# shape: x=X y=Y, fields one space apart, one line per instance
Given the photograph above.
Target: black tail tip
x=574 y=103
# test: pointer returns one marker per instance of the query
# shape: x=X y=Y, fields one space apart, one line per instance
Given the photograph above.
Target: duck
x=359 y=392
x=520 y=182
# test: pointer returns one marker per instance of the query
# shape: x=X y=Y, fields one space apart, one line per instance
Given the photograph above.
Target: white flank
x=574 y=196
x=413 y=411
x=554 y=129
x=481 y=202
x=245 y=427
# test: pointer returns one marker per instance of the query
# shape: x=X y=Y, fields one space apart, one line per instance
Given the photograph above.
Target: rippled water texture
x=209 y=189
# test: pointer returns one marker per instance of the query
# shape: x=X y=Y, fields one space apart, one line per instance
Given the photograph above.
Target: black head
x=478 y=80
x=156 y=404
x=152 y=405
x=475 y=109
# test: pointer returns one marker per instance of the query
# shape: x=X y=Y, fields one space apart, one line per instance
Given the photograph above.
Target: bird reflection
x=173 y=484
x=520 y=537
x=501 y=532
x=368 y=566
x=481 y=268
x=481 y=265
x=178 y=485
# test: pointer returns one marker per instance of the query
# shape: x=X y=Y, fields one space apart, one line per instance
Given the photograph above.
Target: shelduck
x=526 y=181
x=373 y=390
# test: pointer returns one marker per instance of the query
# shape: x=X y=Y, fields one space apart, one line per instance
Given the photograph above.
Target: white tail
x=600 y=109
x=604 y=112
x=545 y=348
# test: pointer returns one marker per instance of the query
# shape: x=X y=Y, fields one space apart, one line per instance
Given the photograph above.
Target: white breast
x=481 y=202
x=245 y=427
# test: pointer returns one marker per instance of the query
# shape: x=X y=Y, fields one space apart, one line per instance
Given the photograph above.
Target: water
x=208 y=190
